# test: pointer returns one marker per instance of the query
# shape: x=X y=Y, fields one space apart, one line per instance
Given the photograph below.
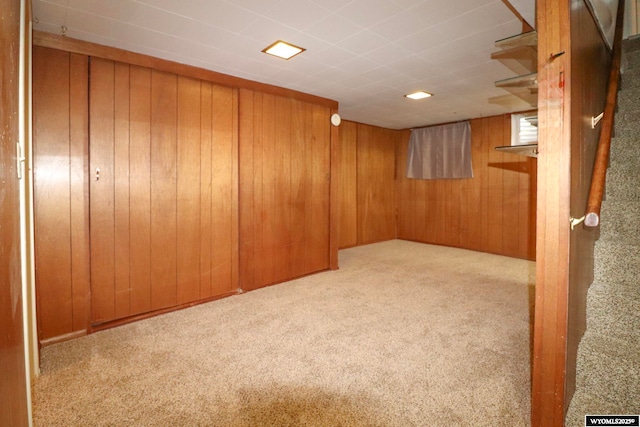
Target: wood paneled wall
x=492 y=212
x=368 y=171
x=165 y=210
x=164 y=207
x=61 y=198
x=376 y=148
x=348 y=184
x=285 y=172
x=576 y=82
x=14 y=401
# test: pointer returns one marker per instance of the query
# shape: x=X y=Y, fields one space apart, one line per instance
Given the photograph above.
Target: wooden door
x=163 y=208
x=284 y=188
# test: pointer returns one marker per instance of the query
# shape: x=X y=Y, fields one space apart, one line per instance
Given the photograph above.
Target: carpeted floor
x=404 y=334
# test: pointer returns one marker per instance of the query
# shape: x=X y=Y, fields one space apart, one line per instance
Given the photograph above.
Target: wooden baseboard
x=126 y=320
x=62 y=338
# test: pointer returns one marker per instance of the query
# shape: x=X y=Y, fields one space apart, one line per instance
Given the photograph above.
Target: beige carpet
x=404 y=334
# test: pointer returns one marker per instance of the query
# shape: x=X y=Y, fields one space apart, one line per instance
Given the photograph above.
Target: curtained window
x=438 y=152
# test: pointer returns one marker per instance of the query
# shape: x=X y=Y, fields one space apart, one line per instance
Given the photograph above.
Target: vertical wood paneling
x=405 y=190
x=188 y=190
x=269 y=176
x=223 y=160
x=496 y=227
x=174 y=156
x=163 y=189
x=490 y=212
x=140 y=189
x=284 y=188
x=60 y=192
x=122 y=214
x=257 y=226
x=318 y=193
x=298 y=189
x=102 y=221
x=206 y=191
x=79 y=192
x=376 y=184
x=348 y=185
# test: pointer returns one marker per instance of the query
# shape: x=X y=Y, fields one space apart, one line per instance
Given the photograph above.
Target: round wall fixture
x=335 y=119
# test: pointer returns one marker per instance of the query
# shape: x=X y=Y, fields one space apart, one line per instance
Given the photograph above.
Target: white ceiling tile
x=333 y=29
x=49 y=13
x=387 y=53
x=363 y=42
x=361 y=12
x=331 y=56
x=255 y=6
x=358 y=65
x=423 y=40
x=298 y=14
x=436 y=11
x=218 y=13
x=399 y=26
x=366 y=54
x=332 y=5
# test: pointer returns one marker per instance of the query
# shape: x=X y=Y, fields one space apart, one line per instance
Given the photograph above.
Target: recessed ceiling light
x=283 y=50
x=418 y=95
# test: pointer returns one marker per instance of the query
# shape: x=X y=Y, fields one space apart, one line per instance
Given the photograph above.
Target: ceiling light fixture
x=418 y=95
x=283 y=50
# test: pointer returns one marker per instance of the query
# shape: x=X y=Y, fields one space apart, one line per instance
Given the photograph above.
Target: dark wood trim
x=526 y=26
x=91 y=49
x=124 y=321
x=596 y=193
x=63 y=338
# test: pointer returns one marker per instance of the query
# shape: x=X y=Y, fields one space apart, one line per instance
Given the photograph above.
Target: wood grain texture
x=348 y=185
x=164 y=92
x=14 y=390
x=334 y=193
x=121 y=198
x=79 y=191
x=492 y=212
x=51 y=192
x=140 y=189
x=590 y=70
x=188 y=190
x=553 y=211
x=172 y=144
x=102 y=170
x=375 y=184
x=285 y=161
x=224 y=190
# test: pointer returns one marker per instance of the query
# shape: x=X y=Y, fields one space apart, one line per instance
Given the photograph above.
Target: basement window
x=524 y=129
